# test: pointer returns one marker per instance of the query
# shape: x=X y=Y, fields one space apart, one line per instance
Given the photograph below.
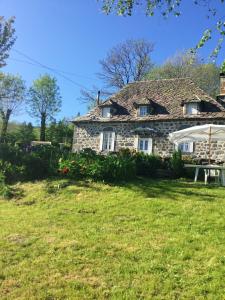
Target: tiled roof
x=166 y=97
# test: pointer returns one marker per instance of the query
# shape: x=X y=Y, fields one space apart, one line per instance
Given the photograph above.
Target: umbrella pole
x=210 y=142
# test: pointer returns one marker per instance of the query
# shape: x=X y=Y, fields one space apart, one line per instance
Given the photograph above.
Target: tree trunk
x=5 y=122
x=43 y=127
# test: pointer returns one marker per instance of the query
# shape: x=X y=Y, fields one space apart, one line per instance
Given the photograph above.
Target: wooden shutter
x=113 y=141
x=136 y=140
x=150 y=146
x=191 y=147
x=101 y=141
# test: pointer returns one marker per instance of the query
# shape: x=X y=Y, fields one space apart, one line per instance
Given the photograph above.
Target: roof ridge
x=160 y=79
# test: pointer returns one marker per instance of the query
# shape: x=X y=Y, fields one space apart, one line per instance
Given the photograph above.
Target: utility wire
x=37 y=63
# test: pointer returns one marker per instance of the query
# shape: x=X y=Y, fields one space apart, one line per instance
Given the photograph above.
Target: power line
x=37 y=63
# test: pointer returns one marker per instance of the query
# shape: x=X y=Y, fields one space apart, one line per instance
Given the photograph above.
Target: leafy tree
x=61 y=132
x=12 y=96
x=7 y=38
x=44 y=100
x=126 y=62
x=223 y=67
x=25 y=134
x=184 y=64
x=214 y=9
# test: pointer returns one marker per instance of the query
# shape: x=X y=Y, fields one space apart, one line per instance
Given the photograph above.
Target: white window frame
x=107 y=141
x=106 y=112
x=192 y=108
x=143 y=140
x=143 y=110
x=185 y=147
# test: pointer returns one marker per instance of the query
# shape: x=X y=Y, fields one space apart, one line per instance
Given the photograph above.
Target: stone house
x=142 y=114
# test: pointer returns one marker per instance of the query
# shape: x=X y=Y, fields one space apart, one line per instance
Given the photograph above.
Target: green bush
x=40 y=162
x=112 y=167
x=147 y=165
x=177 y=164
x=5 y=191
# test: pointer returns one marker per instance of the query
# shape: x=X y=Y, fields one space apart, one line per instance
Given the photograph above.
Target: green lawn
x=142 y=240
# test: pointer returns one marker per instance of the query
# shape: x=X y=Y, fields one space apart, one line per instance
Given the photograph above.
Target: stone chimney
x=98 y=98
x=222 y=84
x=221 y=96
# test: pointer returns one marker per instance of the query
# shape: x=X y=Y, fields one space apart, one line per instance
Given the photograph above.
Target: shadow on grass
x=175 y=189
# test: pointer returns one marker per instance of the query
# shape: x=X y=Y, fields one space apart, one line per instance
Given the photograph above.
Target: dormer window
x=143 y=110
x=106 y=112
x=191 y=108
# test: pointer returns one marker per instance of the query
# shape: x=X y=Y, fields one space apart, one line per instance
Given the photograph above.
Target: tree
x=184 y=64
x=25 y=134
x=12 y=96
x=44 y=100
x=7 y=38
x=61 y=132
x=223 y=67
x=213 y=9
x=126 y=62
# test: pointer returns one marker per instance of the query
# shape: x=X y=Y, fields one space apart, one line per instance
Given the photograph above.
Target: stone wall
x=87 y=135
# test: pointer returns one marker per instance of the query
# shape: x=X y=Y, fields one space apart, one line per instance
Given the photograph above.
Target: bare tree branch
x=126 y=62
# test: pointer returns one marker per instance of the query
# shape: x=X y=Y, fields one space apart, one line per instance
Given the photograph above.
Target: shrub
x=5 y=191
x=112 y=167
x=40 y=162
x=147 y=165
x=177 y=164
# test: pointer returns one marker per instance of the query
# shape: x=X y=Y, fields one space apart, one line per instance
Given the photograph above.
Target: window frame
x=192 y=108
x=188 y=150
x=108 y=114
x=110 y=140
x=144 y=140
x=143 y=107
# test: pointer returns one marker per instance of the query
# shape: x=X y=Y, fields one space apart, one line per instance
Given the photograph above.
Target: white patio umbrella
x=208 y=133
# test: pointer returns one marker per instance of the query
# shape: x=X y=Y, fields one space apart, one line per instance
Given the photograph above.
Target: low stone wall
x=87 y=135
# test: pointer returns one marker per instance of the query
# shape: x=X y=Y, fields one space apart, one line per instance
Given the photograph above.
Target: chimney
x=222 y=84
x=221 y=96
x=98 y=98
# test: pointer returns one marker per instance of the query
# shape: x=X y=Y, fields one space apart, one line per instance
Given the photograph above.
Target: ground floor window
x=145 y=145
x=187 y=147
x=107 y=141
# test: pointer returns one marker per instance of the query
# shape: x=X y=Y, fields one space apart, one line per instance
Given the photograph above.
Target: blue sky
x=73 y=35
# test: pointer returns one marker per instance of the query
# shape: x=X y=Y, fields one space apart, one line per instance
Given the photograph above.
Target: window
x=145 y=145
x=106 y=112
x=107 y=140
x=143 y=111
x=192 y=108
x=187 y=147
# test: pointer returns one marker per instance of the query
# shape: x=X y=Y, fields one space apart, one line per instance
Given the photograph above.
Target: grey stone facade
x=87 y=135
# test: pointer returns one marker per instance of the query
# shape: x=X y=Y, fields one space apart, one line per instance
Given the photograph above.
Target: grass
x=142 y=240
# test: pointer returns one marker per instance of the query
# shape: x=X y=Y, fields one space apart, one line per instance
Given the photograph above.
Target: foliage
x=113 y=167
x=185 y=64
x=213 y=9
x=223 y=67
x=177 y=164
x=19 y=165
x=127 y=62
x=61 y=132
x=25 y=134
x=44 y=100
x=7 y=38
x=12 y=96
x=6 y=191
x=147 y=165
